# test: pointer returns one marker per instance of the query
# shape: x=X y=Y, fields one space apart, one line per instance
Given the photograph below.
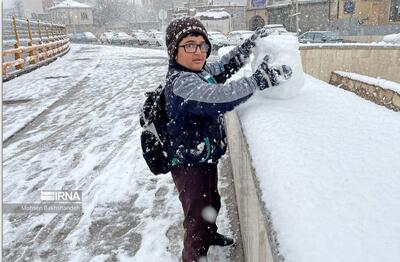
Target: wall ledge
x=379 y=95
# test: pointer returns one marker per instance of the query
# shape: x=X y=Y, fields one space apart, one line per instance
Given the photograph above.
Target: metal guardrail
x=29 y=44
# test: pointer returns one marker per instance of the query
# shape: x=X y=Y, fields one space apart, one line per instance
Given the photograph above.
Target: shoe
x=221 y=240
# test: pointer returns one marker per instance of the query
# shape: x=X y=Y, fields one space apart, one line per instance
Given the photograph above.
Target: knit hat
x=180 y=28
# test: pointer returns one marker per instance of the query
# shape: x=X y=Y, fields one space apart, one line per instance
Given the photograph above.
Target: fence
x=28 y=45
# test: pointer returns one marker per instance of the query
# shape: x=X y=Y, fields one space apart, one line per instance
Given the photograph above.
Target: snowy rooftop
x=70 y=4
x=213 y=14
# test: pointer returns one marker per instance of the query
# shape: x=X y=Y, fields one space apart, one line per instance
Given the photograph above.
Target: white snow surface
x=86 y=136
x=70 y=4
x=392 y=38
x=328 y=163
x=282 y=50
x=372 y=80
x=372 y=44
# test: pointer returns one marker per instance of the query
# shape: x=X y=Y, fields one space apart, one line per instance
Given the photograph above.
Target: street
x=74 y=125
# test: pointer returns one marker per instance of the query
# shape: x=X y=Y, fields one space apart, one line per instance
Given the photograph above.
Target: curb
x=258 y=236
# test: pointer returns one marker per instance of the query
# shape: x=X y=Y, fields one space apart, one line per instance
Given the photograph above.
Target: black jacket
x=195 y=104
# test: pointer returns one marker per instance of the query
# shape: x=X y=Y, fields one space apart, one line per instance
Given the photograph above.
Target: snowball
x=209 y=214
x=283 y=50
x=224 y=50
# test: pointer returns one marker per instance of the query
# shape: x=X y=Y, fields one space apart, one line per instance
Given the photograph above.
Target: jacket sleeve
x=229 y=64
x=202 y=98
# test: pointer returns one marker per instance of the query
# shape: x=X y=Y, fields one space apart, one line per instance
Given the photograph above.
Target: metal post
x=41 y=49
x=47 y=33
x=48 y=42
x=18 y=54
x=30 y=43
x=52 y=32
x=40 y=33
x=297 y=17
x=329 y=14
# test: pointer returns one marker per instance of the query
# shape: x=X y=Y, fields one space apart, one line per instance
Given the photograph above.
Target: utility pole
x=297 y=17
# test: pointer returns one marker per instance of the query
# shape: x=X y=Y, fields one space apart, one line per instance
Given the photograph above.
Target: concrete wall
x=314 y=15
x=364 y=38
x=238 y=14
x=258 y=237
x=369 y=60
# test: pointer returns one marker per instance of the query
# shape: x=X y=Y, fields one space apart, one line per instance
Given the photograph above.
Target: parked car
x=109 y=37
x=82 y=37
x=320 y=37
x=90 y=37
x=277 y=29
x=140 y=38
x=217 y=39
x=156 y=38
x=124 y=38
x=238 y=37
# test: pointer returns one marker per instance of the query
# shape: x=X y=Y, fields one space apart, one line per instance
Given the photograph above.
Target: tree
x=19 y=8
x=109 y=11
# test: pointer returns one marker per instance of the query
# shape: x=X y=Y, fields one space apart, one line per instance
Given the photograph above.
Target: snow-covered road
x=74 y=125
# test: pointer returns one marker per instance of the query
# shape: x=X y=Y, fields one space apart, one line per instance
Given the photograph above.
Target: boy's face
x=193 y=61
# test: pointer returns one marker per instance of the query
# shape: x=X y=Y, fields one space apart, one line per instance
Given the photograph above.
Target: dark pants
x=198 y=189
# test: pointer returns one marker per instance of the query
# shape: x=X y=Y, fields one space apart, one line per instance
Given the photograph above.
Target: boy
x=196 y=100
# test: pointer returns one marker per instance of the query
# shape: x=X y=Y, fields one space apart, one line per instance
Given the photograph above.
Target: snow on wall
x=372 y=80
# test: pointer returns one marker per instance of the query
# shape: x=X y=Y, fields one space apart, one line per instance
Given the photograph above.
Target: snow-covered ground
x=328 y=163
x=79 y=129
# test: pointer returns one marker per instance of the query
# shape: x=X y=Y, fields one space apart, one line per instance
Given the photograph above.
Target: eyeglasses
x=192 y=48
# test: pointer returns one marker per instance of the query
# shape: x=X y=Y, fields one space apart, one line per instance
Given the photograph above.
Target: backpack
x=154 y=137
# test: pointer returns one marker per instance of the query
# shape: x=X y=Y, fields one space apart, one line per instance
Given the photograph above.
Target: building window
x=395 y=11
x=349 y=6
x=84 y=16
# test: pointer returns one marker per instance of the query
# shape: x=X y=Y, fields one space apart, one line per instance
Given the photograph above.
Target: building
x=237 y=13
x=216 y=20
x=26 y=8
x=367 y=12
x=347 y=17
x=311 y=14
x=76 y=16
x=368 y=17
